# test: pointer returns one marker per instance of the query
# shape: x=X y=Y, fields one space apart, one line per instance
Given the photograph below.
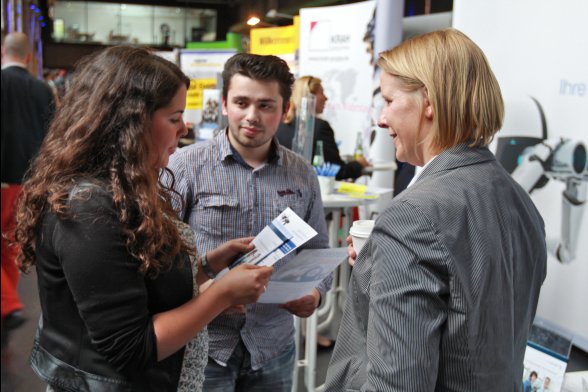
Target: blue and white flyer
x=286 y=233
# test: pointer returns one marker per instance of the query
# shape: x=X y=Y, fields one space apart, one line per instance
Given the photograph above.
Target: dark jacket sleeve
x=109 y=292
x=285 y=134
x=324 y=132
x=27 y=108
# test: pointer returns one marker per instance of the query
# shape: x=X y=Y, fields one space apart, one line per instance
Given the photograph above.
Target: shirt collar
x=13 y=64
x=418 y=170
x=454 y=157
x=227 y=150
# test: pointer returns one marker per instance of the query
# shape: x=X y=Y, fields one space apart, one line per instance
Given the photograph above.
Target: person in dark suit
x=306 y=85
x=27 y=104
x=443 y=294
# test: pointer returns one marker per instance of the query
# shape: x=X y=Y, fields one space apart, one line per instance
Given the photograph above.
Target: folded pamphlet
x=284 y=234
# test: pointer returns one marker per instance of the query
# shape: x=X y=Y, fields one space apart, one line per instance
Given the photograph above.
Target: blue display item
x=327 y=169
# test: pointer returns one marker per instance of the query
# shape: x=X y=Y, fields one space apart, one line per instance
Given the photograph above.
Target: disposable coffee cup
x=327 y=185
x=360 y=231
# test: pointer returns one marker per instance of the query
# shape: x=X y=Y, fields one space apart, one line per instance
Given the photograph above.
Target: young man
x=235 y=185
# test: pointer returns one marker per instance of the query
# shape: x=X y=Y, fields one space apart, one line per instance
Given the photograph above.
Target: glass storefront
x=116 y=23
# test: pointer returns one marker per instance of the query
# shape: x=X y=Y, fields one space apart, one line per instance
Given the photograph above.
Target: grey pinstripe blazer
x=444 y=292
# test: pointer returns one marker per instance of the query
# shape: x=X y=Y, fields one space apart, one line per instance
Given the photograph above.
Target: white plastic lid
x=362 y=228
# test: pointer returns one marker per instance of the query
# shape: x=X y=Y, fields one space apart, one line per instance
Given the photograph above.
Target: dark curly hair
x=101 y=133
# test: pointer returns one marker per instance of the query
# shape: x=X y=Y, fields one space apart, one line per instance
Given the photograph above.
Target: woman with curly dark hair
x=118 y=274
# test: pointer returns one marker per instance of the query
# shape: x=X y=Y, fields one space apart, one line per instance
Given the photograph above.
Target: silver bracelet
x=206 y=267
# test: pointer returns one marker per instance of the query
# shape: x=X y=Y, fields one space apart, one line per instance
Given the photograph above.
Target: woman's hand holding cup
x=351 y=251
x=359 y=234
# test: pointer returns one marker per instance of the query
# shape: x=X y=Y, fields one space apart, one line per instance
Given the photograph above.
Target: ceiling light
x=253 y=21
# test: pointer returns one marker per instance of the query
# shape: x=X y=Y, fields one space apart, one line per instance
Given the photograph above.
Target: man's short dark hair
x=257 y=67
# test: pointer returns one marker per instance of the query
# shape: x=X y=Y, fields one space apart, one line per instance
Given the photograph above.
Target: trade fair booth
x=537 y=50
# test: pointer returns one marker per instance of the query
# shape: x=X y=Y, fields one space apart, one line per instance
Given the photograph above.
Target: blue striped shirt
x=224 y=198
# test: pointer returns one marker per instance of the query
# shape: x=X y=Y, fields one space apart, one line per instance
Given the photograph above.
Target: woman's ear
x=429 y=110
x=427 y=107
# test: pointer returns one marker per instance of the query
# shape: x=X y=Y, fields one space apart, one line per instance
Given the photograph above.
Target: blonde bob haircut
x=302 y=86
x=462 y=89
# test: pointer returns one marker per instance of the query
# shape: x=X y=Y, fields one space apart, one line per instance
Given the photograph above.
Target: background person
x=444 y=292
x=235 y=185
x=117 y=274
x=303 y=86
x=27 y=104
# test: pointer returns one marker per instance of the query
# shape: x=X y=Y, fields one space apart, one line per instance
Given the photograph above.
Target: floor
x=17 y=375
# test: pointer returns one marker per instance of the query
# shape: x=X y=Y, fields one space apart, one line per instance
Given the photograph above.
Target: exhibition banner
x=204 y=68
x=537 y=50
x=278 y=41
x=275 y=40
x=384 y=32
x=332 y=48
x=194 y=96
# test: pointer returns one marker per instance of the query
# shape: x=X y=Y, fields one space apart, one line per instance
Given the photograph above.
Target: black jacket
x=324 y=132
x=27 y=105
x=96 y=331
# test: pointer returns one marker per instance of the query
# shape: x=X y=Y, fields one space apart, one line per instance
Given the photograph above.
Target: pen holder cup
x=327 y=185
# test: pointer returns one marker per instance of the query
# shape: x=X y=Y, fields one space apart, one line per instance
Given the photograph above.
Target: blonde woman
x=306 y=85
x=444 y=292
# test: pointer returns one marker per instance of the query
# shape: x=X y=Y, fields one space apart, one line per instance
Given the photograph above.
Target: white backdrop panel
x=332 y=48
x=540 y=49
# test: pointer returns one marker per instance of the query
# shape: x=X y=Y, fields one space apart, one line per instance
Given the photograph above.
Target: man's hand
x=304 y=306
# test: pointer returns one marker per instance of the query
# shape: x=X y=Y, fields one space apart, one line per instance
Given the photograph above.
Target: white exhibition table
x=380 y=166
x=340 y=207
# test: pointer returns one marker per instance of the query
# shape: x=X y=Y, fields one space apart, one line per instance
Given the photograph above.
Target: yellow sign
x=275 y=40
x=194 y=96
